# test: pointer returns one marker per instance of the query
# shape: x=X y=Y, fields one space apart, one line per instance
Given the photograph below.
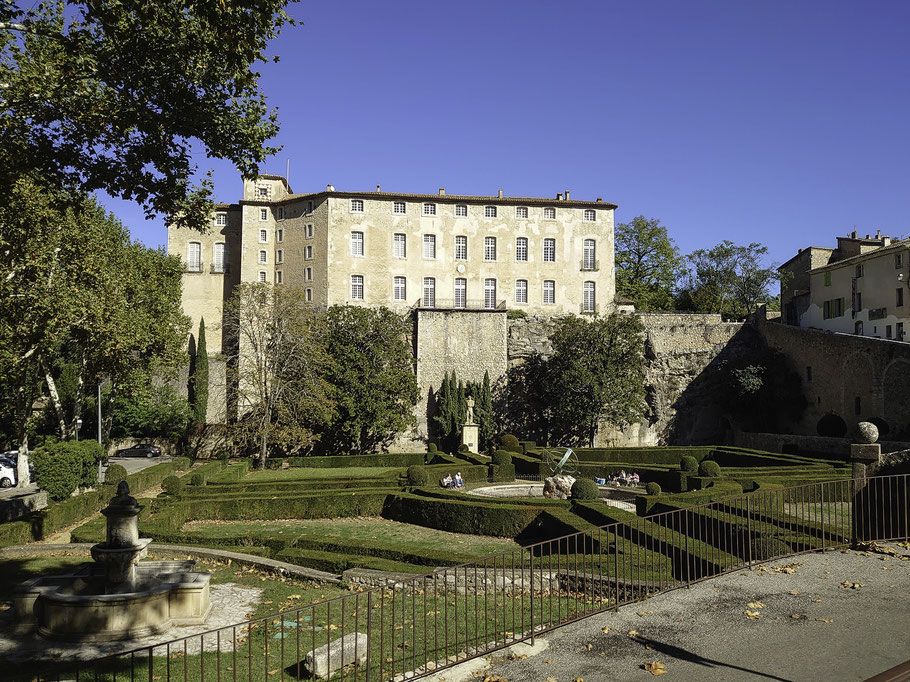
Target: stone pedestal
x=470 y=436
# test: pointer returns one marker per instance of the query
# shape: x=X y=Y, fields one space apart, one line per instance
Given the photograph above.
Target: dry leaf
x=755 y=605
x=645 y=613
x=605 y=630
x=848 y=585
x=823 y=620
x=655 y=668
x=752 y=615
x=551 y=679
x=795 y=616
x=548 y=661
x=818 y=601
x=633 y=633
x=794 y=592
x=579 y=679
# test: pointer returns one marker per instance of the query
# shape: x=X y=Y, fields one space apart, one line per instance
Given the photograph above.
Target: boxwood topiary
x=689 y=464
x=653 y=488
x=172 y=485
x=585 y=489
x=463 y=447
x=197 y=479
x=114 y=474
x=182 y=463
x=418 y=475
x=502 y=458
x=510 y=443
x=709 y=468
x=431 y=448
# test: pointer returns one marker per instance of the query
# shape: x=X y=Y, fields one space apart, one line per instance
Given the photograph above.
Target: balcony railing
x=220 y=268
x=588 y=265
x=457 y=304
x=194 y=267
x=589 y=309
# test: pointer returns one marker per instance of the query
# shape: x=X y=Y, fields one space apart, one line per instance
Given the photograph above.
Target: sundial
x=560 y=461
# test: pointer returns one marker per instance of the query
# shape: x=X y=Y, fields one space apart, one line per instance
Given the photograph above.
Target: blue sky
x=779 y=122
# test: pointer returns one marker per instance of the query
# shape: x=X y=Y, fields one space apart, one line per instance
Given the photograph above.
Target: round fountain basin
x=617 y=497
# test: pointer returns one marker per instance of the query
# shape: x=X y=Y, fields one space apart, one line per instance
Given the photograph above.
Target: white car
x=7 y=473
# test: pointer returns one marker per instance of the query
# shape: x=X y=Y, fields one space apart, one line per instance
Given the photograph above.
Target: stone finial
x=865 y=433
x=123 y=489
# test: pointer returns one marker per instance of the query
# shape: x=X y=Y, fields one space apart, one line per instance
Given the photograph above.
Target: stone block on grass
x=334 y=656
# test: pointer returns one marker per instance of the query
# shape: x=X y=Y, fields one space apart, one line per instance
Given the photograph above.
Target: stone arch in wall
x=860 y=394
x=884 y=428
x=832 y=426
x=895 y=388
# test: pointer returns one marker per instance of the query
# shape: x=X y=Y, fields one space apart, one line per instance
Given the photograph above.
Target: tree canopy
x=117 y=96
x=648 y=263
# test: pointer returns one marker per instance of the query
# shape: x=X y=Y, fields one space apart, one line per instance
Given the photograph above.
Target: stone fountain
x=118 y=596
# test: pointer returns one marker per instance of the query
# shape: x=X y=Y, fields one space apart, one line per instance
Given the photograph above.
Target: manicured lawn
x=16 y=571
x=302 y=473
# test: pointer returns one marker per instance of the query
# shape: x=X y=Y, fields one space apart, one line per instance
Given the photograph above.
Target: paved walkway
x=836 y=616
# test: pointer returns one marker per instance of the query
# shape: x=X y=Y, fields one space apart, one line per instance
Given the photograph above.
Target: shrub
x=197 y=479
x=463 y=448
x=510 y=443
x=585 y=489
x=172 y=485
x=709 y=468
x=223 y=456
x=653 y=488
x=505 y=472
x=59 y=473
x=689 y=464
x=502 y=458
x=431 y=448
x=182 y=463
x=114 y=474
x=417 y=475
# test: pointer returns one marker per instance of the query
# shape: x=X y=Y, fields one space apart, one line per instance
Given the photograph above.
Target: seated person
x=446 y=482
x=600 y=481
x=635 y=479
x=459 y=481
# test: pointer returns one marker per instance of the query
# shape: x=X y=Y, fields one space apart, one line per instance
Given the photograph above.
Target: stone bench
x=332 y=657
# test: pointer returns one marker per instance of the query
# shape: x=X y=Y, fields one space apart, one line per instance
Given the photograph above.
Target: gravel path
x=832 y=616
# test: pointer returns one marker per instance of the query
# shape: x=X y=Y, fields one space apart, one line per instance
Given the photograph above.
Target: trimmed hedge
x=333 y=562
x=418 y=475
x=456 y=516
x=61 y=468
x=502 y=458
x=114 y=474
x=689 y=464
x=500 y=474
x=510 y=443
x=397 y=459
x=172 y=485
x=585 y=489
x=233 y=473
x=709 y=468
x=653 y=489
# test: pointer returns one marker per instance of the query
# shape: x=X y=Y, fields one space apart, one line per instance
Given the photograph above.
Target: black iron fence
x=413 y=627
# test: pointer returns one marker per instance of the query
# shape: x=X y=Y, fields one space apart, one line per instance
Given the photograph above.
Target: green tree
x=595 y=374
x=116 y=96
x=199 y=377
x=372 y=378
x=485 y=417
x=276 y=369
x=648 y=263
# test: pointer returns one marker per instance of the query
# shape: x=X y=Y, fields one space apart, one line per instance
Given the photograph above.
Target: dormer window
x=262 y=192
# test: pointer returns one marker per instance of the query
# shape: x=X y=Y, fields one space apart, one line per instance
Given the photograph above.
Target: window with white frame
x=356 y=243
x=263 y=276
x=489 y=211
x=549 y=250
x=194 y=257
x=308 y=295
x=461 y=210
x=308 y=252
x=590 y=215
x=489 y=248
x=399 y=288
x=280 y=237
x=549 y=292
x=263 y=256
x=429 y=292
x=221 y=219
x=308 y=274
x=279 y=256
x=549 y=213
x=263 y=236
x=281 y=213
x=400 y=245
x=308 y=231
x=399 y=208
x=589 y=301
x=309 y=207
x=262 y=191
x=429 y=209
x=461 y=247
x=356 y=205
x=278 y=277
x=356 y=287
x=218 y=259
x=521 y=211
x=461 y=292
x=263 y=214
x=489 y=293
x=521 y=248
x=590 y=255
x=521 y=291
x=429 y=246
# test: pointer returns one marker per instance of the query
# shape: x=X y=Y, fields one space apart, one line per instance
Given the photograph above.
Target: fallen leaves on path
x=633 y=633
x=796 y=616
x=645 y=613
x=755 y=605
x=824 y=620
x=850 y=585
x=752 y=615
x=605 y=630
x=655 y=668
x=794 y=592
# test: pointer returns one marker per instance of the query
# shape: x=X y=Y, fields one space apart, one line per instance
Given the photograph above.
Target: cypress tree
x=200 y=379
x=443 y=416
x=486 y=420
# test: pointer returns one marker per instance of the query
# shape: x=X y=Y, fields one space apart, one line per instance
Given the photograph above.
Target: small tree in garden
x=199 y=378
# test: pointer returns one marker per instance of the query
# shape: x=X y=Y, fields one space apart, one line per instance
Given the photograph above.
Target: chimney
x=599 y=200
x=559 y=196
x=378 y=188
x=330 y=188
x=868 y=236
x=442 y=191
x=853 y=234
x=500 y=194
x=567 y=195
x=878 y=234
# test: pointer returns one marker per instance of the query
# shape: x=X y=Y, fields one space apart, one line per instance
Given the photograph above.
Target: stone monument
x=864 y=449
x=470 y=432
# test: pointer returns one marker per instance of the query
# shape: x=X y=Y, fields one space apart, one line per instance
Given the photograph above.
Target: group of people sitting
x=455 y=481
x=620 y=479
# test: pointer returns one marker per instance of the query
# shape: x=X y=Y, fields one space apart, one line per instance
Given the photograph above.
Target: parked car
x=140 y=450
x=7 y=473
x=11 y=458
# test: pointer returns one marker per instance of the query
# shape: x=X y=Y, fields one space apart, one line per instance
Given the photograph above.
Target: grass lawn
x=304 y=473
x=16 y=571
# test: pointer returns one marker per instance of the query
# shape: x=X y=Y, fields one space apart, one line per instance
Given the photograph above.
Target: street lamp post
x=78 y=426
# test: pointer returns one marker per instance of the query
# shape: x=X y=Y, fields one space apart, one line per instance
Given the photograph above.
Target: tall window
x=309 y=207
x=899 y=296
x=521 y=248
x=356 y=243
x=521 y=211
x=308 y=231
x=357 y=287
x=308 y=252
x=549 y=214
x=429 y=292
x=194 y=257
x=549 y=250
x=278 y=277
x=489 y=247
x=588 y=303
x=399 y=288
x=308 y=274
x=489 y=293
x=356 y=205
x=489 y=211
x=461 y=292
x=590 y=216
x=263 y=277
x=590 y=254
x=221 y=219
x=429 y=246
x=279 y=256
x=429 y=209
x=461 y=247
x=549 y=292
x=309 y=295
x=263 y=236
x=280 y=235
x=218 y=257
x=399 y=208
x=461 y=210
x=281 y=213
x=263 y=214
x=400 y=245
x=521 y=291
x=263 y=256
x=898 y=260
